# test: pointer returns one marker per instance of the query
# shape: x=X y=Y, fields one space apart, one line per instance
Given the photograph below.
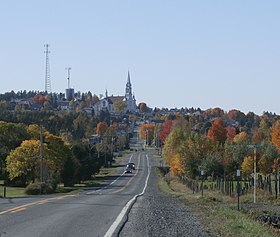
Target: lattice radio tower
x=47 y=75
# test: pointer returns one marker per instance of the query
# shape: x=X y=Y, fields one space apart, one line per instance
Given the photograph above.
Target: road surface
x=96 y=212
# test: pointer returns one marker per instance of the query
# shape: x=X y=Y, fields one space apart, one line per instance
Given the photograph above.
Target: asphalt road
x=96 y=212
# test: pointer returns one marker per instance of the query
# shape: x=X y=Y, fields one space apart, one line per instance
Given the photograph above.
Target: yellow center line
x=14 y=209
x=18 y=210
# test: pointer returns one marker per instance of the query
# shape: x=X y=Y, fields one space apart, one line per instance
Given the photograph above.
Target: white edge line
x=116 y=223
x=90 y=192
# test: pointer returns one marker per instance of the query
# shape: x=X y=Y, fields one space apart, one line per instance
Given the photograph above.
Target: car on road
x=128 y=170
x=131 y=165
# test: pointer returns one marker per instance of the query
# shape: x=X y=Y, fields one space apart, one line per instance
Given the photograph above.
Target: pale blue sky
x=180 y=53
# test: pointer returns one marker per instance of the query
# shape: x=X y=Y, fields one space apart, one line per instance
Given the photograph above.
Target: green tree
x=24 y=161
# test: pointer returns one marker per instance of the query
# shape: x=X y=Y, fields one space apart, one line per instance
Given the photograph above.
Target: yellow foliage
x=247 y=166
x=176 y=166
x=241 y=137
x=275 y=134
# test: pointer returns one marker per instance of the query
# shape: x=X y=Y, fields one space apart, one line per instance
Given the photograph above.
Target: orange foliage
x=101 y=128
x=176 y=166
x=39 y=99
x=241 y=137
x=275 y=134
x=217 y=131
x=230 y=133
x=147 y=132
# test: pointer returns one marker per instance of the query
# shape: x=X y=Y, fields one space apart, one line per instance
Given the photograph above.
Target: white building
x=107 y=103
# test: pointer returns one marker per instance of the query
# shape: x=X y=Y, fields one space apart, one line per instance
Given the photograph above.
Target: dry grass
x=217 y=211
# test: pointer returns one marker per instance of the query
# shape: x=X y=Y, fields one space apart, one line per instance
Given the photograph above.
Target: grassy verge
x=98 y=179
x=12 y=192
x=217 y=212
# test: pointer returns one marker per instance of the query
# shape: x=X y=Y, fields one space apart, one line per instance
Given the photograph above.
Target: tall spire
x=128 y=78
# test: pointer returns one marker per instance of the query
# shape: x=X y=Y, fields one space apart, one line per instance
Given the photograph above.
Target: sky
x=180 y=53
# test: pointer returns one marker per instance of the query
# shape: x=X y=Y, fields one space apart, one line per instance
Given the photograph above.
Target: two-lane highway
x=95 y=212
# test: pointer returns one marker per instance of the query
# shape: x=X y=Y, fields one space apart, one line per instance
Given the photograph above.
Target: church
x=109 y=103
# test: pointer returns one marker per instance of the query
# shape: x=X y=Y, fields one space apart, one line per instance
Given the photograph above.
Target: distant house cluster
x=36 y=101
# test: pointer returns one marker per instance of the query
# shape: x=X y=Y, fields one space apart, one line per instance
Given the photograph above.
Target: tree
x=119 y=106
x=241 y=137
x=142 y=107
x=261 y=134
x=275 y=134
x=166 y=130
x=247 y=166
x=217 y=131
x=101 y=128
x=147 y=132
x=24 y=161
x=11 y=136
x=230 y=133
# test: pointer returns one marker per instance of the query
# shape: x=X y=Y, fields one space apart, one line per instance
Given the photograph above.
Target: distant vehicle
x=130 y=165
x=128 y=171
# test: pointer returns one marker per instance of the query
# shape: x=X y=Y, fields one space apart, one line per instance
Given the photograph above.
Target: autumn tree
x=166 y=130
x=142 y=107
x=275 y=134
x=247 y=166
x=217 y=131
x=101 y=128
x=11 y=136
x=24 y=161
x=241 y=137
x=262 y=133
x=147 y=132
x=230 y=133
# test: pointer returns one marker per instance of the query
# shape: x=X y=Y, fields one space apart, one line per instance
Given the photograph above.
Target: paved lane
x=90 y=213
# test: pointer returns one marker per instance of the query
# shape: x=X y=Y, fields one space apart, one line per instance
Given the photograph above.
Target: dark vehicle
x=128 y=171
x=131 y=165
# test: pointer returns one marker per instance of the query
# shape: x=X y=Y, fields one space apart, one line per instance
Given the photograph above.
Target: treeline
x=69 y=156
x=20 y=157
x=218 y=143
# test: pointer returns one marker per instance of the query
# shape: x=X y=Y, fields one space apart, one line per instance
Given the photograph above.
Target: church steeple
x=128 y=78
x=128 y=90
x=129 y=98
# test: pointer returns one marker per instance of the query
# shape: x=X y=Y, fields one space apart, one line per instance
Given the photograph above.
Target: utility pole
x=41 y=155
x=255 y=173
x=47 y=72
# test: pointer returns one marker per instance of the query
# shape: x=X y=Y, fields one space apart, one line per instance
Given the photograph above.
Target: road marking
x=18 y=210
x=137 y=170
x=120 y=217
x=14 y=209
x=98 y=190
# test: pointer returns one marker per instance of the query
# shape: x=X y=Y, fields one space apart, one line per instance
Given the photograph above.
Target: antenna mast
x=68 y=75
x=47 y=75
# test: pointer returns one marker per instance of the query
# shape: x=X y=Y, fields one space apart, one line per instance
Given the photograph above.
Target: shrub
x=39 y=188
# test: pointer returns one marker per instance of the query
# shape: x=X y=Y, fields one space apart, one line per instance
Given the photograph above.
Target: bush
x=39 y=188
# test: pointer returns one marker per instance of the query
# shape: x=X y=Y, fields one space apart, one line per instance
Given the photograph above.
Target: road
x=96 y=212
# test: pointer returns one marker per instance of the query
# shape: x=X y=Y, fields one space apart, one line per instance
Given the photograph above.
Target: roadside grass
x=216 y=211
x=96 y=181
x=13 y=192
x=67 y=190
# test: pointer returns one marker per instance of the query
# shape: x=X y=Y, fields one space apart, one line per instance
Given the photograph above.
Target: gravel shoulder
x=157 y=214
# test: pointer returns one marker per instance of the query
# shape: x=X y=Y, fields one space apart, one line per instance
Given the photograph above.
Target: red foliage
x=39 y=99
x=217 y=131
x=166 y=130
x=230 y=133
